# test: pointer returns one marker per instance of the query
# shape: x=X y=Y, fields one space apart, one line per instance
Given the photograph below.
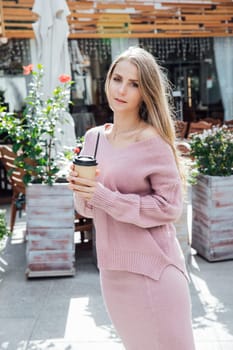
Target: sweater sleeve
x=83 y=207
x=146 y=211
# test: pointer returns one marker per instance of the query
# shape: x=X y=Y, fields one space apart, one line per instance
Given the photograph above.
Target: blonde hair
x=156 y=108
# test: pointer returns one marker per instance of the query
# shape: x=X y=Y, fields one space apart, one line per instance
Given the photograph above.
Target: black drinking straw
x=96 y=145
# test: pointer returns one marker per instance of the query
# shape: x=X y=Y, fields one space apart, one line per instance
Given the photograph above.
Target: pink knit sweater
x=137 y=200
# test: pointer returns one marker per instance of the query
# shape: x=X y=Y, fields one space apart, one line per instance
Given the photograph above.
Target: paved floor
x=68 y=313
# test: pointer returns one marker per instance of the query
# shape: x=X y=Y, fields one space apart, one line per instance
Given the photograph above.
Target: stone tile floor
x=68 y=313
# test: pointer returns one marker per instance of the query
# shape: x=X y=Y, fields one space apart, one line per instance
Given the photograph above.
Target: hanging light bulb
x=3 y=40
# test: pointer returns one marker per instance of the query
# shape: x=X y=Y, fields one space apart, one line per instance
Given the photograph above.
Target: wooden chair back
x=181 y=128
x=213 y=121
x=15 y=178
x=229 y=124
x=15 y=174
x=198 y=127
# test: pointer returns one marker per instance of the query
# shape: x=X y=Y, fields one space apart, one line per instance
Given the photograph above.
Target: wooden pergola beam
x=129 y=18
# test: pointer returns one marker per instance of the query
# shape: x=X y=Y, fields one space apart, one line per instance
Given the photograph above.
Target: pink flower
x=27 y=69
x=64 y=78
x=77 y=150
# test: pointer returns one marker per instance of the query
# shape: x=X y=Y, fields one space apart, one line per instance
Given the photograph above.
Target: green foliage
x=33 y=135
x=212 y=152
x=70 y=152
x=3 y=226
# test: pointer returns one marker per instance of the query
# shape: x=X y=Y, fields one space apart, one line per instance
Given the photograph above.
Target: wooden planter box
x=212 y=221
x=50 y=230
x=183 y=228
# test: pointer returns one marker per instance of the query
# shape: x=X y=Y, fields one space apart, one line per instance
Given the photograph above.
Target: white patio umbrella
x=51 y=32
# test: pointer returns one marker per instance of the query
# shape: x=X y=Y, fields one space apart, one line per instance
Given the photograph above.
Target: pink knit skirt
x=149 y=314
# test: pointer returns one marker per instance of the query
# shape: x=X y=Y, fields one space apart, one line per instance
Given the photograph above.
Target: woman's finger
x=84 y=182
x=83 y=191
x=72 y=166
x=72 y=176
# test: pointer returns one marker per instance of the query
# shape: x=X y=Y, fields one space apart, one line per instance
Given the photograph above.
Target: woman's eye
x=116 y=79
x=134 y=84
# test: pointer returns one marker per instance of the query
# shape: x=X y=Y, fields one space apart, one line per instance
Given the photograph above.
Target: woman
x=134 y=200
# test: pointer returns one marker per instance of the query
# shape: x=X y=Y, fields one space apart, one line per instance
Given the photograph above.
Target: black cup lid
x=84 y=160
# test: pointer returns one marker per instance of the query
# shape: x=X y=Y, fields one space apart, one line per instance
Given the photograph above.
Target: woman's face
x=123 y=93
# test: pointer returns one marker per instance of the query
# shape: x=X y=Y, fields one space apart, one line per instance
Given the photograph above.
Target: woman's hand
x=85 y=188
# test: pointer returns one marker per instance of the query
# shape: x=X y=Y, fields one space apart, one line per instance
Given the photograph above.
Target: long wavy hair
x=156 y=108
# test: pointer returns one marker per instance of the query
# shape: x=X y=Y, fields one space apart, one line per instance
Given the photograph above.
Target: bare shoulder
x=147 y=132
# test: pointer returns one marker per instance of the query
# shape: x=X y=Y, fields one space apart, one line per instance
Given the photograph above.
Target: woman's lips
x=119 y=100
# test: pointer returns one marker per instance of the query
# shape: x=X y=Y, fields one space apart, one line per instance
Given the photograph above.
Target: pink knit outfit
x=137 y=199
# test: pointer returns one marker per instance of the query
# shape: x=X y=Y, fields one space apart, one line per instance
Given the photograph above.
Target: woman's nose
x=122 y=89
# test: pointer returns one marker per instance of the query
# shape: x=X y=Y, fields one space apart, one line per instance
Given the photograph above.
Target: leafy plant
x=33 y=135
x=3 y=226
x=212 y=152
x=70 y=152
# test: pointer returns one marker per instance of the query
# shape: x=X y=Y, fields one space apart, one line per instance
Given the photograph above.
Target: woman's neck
x=123 y=128
x=126 y=132
x=125 y=124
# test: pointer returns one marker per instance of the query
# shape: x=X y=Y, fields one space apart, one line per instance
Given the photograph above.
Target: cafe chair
x=15 y=178
x=229 y=124
x=82 y=225
x=213 y=121
x=198 y=127
x=183 y=148
x=181 y=128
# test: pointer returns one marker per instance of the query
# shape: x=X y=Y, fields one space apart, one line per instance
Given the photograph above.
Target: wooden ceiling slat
x=187 y=5
x=163 y=26
x=29 y=2
x=108 y=6
x=16 y=6
x=149 y=35
x=221 y=25
x=84 y=23
x=83 y=15
x=79 y=5
x=19 y=11
x=22 y=34
x=139 y=19
x=20 y=25
x=207 y=18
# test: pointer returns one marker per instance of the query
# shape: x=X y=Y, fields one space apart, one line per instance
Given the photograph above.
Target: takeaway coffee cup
x=85 y=166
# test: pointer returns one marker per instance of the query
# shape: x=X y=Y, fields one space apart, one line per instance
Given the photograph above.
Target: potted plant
x=34 y=134
x=49 y=204
x=212 y=202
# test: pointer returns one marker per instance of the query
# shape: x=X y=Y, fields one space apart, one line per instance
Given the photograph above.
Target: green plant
x=3 y=226
x=212 y=152
x=33 y=135
x=70 y=152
